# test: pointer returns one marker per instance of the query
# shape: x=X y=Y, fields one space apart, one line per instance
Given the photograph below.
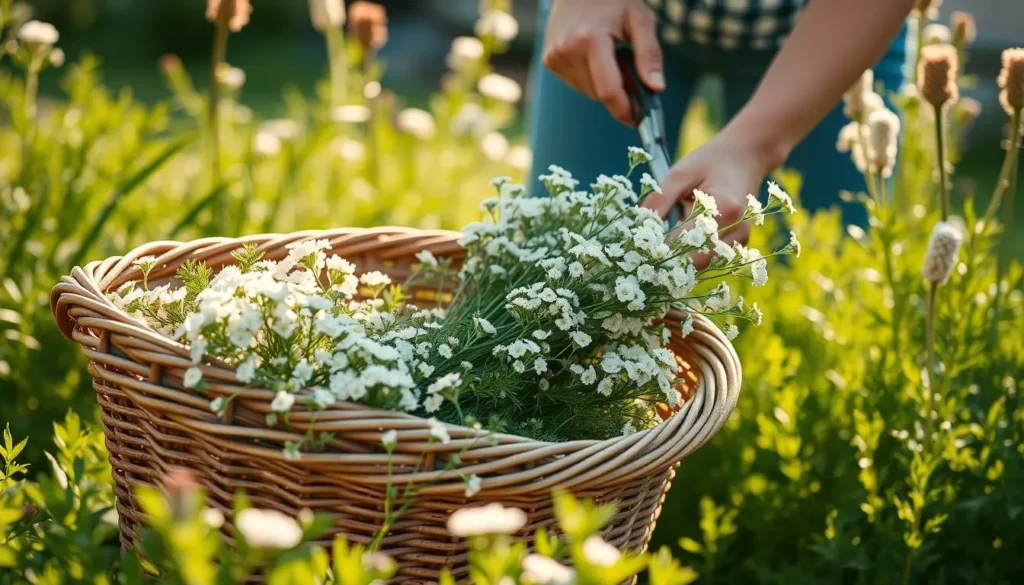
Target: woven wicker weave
x=152 y=423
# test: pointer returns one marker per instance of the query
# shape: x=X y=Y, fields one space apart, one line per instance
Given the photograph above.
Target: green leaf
x=124 y=189
x=190 y=216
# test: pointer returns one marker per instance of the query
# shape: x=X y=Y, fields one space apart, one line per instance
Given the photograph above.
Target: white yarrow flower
x=282 y=402
x=389 y=439
x=192 y=377
x=599 y=552
x=472 y=486
x=499 y=24
x=438 y=430
x=544 y=570
x=500 y=88
x=490 y=519
x=35 y=32
x=268 y=529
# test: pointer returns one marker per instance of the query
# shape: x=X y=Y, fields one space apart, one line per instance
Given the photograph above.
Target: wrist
x=763 y=136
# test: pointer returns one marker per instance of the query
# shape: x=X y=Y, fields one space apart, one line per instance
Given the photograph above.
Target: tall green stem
x=220 y=49
x=337 y=63
x=929 y=342
x=941 y=156
x=919 y=30
x=1004 y=243
x=1012 y=151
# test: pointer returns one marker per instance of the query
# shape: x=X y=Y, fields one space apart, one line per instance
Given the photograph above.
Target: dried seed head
x=942 y=252
x=965 y=31
x=1011 y=80
x=936 y=76
x=937 y=34
x=884 y=131
x=368 y=24
x=860 y=98
x=233 y=13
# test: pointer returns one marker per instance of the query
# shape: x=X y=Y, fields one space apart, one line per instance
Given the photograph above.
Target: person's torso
x=727 y=24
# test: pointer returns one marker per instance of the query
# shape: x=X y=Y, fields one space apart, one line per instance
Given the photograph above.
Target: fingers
x=642 y=27
x=607 y=79
x=677 y=186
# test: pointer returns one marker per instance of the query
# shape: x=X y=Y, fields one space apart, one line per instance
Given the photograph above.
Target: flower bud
x=936 y=75
x=942 y=252
x=38 y=34
x=326 y=14
x=1011 y=80
x=230 y=77
x=965 y=31
x=368 y=24
x=233 y=13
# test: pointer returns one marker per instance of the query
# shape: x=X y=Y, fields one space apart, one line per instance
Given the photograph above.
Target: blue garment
x=568 y=129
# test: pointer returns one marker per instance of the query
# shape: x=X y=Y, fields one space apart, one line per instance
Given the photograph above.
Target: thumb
x=643 y=34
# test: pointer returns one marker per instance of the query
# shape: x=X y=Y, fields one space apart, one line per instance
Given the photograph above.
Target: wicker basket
x=152 y=423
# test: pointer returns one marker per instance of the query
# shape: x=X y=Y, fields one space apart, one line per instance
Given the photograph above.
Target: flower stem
x=1004 y=243
x=918 y=22
x=220 y=48
x=941 y=161
x=338 y=66
x=1012 y=151
x=929 y=335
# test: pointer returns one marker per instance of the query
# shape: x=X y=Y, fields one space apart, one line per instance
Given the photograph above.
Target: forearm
x=832 y=44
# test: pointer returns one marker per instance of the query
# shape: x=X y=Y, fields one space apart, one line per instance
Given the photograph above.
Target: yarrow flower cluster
x=554 y=330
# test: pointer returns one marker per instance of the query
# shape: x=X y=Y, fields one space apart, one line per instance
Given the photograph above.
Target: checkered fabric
x=729 y=24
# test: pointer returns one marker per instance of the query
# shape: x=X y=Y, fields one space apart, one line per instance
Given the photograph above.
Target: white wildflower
x=417 y=122
x=389 y=439
x=192 y=377
x=498 y=24
x=706 y=202
x=326 y=14
x=246 y=371
x=445 y=351
x=754 y=210
x=500 y=88
x=638 y=156
x=648 y=185
x=433 y=403
x=375 y=279
x=599 y=552
x=464 y=53
x=438 y=430
x=776 y=192
x=472 y=485
x=490 y=519
x=37 y=33
x=580 y=338
x=283 y=402
x=485 y=326
x=543 y=570
x=426 y=258
x=268 y=529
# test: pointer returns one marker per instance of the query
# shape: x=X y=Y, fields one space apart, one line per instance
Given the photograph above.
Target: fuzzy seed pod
x=884 y=131
x=1011 y=80
x=965 y=31
x=234 y=13
x=942 y=252
x=936 y=76
x=860 y=98
x=368 y=24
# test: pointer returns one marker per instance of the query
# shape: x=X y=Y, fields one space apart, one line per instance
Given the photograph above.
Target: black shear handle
x=642 y=101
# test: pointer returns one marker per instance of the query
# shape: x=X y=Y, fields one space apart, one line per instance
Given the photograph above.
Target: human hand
x=579 y=47
x=728 y=167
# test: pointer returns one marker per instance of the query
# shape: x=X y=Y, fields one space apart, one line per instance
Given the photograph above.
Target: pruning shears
x=649 y=117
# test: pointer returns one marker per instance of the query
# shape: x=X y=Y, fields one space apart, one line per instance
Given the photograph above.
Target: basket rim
x=87 y=287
